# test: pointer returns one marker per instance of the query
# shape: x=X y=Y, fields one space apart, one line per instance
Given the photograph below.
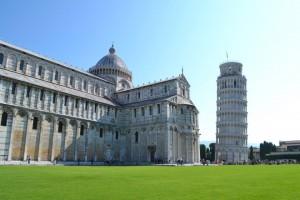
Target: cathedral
x=53 y=111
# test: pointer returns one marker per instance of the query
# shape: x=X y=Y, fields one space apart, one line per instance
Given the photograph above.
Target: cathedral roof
x=172 y=98
x=55 y=87
x=39 y=56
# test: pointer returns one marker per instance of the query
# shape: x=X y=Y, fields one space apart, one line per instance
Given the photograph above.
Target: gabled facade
x=50 y=110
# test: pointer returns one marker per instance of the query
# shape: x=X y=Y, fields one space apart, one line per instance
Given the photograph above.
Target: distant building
x=287 y=150
x=231 y=133
x=256 y=153
x=292 y=145
x=50 y=110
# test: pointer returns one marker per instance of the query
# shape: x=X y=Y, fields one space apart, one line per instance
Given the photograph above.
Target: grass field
x=151 y=182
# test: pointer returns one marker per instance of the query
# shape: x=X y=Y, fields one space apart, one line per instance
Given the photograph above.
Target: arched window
x=136 y=137
x=66 y=100
x=96 y=89
x=60 y=127
x=28 y=91
x=84 y=85
x=101 y=132
x=4 y=119
x=40 y=70
x=81 y=130
x=21 y=67
x=13 y=88
x=71 y=81
x=56 y=75
x=143 y=111
x=86 y=105
x=117 y=135
x=166 y=89
x=158 y=108
x=42 y=95
x=35 y=123
x=1 y=58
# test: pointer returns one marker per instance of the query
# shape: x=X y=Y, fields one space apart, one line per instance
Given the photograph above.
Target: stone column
x=86 y=141
x=53 y=139
x=76 y=142
x=28 y=128
x=14 y=113
x=40 y=138
x=64 y=142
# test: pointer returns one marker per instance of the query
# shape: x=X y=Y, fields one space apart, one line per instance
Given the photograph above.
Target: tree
x=251 y=153
x=202 y=151
x=266 y=148
x=212 y=149
x=208 y=154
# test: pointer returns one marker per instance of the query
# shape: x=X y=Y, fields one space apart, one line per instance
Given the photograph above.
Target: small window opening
x=42 y=95
x=60 y=127
x=136 y=137
x=96 y=105
x=4 y=119
x=66 y=100
x=101 y=132
x=28 y=91
x=76 y=103
x=158 y=108
x=40 y=70
x=1 y=58
x=84 y=85
x=143 y=111
x=21 y=67
x=56 y=75
x=150 y=110
x=117 y=135
x=13 y=89
x=81 y=130
x=71 y=80
x=54 y=98
x=35 y=123
x=86 y=105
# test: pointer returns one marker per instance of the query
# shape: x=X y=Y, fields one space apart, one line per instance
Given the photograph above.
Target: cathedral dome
x=111 y=60
x=112 y=68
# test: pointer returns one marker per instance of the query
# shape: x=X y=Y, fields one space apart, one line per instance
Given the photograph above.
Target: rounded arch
x=23 y=113
x=93 y=126
x=73 y=122
x=63 y=120
x=37 y=115
x=6 y=109
x=49 y=118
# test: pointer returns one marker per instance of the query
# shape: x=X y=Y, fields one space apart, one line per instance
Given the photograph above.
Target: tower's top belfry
x=231 y=68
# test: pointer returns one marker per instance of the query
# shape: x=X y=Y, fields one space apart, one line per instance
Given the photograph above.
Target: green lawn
x=203 y=182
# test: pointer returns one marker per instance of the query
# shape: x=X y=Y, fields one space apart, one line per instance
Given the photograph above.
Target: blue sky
x=157 y=38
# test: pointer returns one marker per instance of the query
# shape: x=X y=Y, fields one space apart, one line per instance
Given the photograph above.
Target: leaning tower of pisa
x=231 y=133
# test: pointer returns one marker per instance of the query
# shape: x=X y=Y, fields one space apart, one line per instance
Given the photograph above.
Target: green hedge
x=284 y=156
